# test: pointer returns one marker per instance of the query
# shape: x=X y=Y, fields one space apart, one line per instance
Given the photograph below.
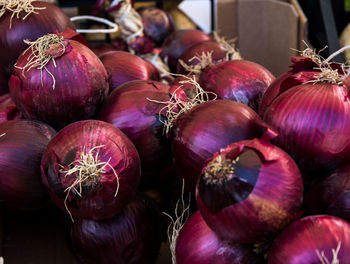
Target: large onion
x=91 y=169
x=8 y=110
x=71 y=87
x=22 y=144
x=306 y=240
x=131 y=237
x=207 y=128
x=249 y=191
x=123 y=67
x=197 y=243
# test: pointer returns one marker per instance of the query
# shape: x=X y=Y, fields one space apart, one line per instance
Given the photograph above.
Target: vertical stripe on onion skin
x=237 y=80
x=132 y=236
x=8 y=109
x=197 y=243
x=104 y=195
x=304 y=241
x=128 y=109
x=313 y=123
x=123 y=67
x=249 y=191
x=207 y=128
x=22 y=144
x=71 y=91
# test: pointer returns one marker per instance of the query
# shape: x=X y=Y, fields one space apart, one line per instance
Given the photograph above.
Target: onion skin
x=313 y=123
x=97 y=202
x=8 y=109
x=197 y=243
x=123 y=67
x=331 y=196
x=81 y=86
x=128 y=109
x=207 y=128
x=178 y=42
x=298 y=242
x=264 y=194
x=21 y=148
x=115 y=45
x=237 y=80
x=49 y=20
x=132 y=236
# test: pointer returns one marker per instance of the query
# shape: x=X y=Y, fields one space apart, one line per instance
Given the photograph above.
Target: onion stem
x=231 y=52
x=335 y=253
x=98 y=19
x=204 y=61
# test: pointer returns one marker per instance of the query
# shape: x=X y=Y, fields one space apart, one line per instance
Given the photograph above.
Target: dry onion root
x=335 y=253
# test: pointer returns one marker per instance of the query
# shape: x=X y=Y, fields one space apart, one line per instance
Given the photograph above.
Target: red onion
x=123 y=67
x=46 y=18
x=71 y=91
x=188 y=88
x=207 y=128
x=249 y=191
x=8 y=110
x=178 y=42
x=157 y=24
x=109 y=166
x=22 y=144
x=128 y=109
x=197 y=243
x=116 y=44
x=237 y=80
x=312 y=240
x=132 y=236
x=331 y=196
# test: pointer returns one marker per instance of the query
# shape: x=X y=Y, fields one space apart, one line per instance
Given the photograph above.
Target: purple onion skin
x=197 y=243
x=313 y=123
x=331 y=196
x=21 y=148
x=263 y=196
x=180 y=40
x=123 y=67
x=207 y=128
x=116 y=45
x=237 y=80
x=49 y=20
x=131 y=237
x=81 y=86
x=157 y=24
x=299 y=242
x=99 y=201
x=8 y=109
x=128 y=109
x=210 y=46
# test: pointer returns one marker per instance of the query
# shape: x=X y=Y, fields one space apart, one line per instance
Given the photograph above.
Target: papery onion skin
x=237 y=80
x=99 y=201
x=8 y=109
x=263 y=195
x=197 y=243
x=123 y=67
x=49 y=20
x=115 y=45
x=313 y=123
x=331 y=196
x=129 y=109
x=299 y=241
x=132 y=236
x=21 y=146
x=207 y=128
x=80 y=88
x=178 y=42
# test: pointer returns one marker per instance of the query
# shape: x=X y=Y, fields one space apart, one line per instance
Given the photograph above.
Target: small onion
x=71 y=87
x=207 y=128
x=131 y=237
x=178 y=42
x=129 y=109
x=8 y=109
x=123 y=67
x=22 y=144
x=91 y=169
x=306 y=240
x=249 y=191
x=237 y=80
x=197 y=243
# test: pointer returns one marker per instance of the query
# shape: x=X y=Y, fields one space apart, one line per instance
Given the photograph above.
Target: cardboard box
x=268 y=32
